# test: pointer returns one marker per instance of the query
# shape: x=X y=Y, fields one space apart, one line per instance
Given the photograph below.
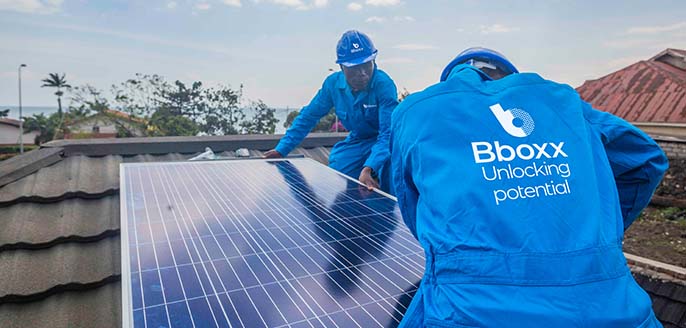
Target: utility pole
x=21 y=119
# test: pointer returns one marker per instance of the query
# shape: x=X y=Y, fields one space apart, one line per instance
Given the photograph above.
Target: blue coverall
x=521 y=231
x=366 y=114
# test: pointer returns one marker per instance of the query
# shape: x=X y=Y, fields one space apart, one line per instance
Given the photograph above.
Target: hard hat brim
x=358 y=61
x=478 y=52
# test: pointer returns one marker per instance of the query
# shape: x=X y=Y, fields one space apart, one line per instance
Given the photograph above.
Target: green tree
x=86 y=99
x=290 y=118
x=140 y=96
x=55 y=80
x=324 y=124
x=165 y=123
x=263 y=122
x=222 y=111
x=4 y=113
x=183 y=100
x=45 y=125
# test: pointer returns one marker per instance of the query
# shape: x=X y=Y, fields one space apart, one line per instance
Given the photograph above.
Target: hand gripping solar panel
x=261 y=243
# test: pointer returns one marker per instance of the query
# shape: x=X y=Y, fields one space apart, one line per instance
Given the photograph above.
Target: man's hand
x=272 y=154
x=367 y=180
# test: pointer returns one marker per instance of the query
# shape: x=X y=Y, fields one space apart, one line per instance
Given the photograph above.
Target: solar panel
x=261 y=243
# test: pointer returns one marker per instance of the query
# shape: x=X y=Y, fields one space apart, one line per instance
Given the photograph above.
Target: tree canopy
x=158 y=107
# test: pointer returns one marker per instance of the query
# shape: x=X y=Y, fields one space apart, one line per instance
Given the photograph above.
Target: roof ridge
x=660 y=70
x=23 y=165
x=186 y=145
x=611 y=73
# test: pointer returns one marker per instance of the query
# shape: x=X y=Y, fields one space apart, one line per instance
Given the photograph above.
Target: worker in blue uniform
x=520 y=192
x=364 y=97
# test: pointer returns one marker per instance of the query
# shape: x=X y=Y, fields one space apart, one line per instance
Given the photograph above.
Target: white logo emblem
x=506 y=119
x=355 y=45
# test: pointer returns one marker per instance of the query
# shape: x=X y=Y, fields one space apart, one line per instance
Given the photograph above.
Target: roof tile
x=672 y=312
x=99 y=307
x=30 y=225
x=83 y=176
x=27 y=272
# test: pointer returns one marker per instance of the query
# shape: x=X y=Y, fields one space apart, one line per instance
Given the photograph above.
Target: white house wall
x=9 y=135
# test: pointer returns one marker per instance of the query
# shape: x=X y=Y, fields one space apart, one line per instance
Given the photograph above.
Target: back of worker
x=513 y=188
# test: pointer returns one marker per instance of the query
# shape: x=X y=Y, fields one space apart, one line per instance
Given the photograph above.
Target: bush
x=15 y=149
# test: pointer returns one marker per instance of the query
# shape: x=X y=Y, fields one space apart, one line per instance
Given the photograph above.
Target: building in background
x=106 y=124
x=9 y=133
x=652 y=90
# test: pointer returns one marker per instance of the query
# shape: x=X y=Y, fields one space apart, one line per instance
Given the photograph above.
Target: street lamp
x=21 y=119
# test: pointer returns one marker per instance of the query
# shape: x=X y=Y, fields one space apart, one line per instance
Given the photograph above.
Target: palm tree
x=54 y=80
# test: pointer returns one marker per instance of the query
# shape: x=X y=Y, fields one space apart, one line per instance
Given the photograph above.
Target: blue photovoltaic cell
x=261 y=243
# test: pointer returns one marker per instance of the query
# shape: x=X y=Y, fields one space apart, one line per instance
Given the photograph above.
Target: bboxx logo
x=506 y=119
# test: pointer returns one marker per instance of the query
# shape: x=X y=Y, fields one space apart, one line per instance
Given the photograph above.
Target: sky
x=282 y=50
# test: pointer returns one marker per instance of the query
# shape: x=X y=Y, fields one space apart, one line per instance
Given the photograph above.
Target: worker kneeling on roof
x=364 y=97
x=520 y=192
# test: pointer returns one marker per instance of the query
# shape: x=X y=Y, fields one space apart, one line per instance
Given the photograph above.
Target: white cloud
x=297 y=4
x=354 y=6
x=137 y=37
x=31 y=6
x=497 y=28
x=382 y=3
x=202 y=6
x=657 y=29
x=375 y=19
x=403 y=19
x=171 y=5
x=233 y=3
x=290 y=3
x=460 y=30
x=380 y=19
x=414 y=46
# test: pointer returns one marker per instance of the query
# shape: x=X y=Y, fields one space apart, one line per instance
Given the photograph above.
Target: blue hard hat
x=354 y=48
x=486 y=57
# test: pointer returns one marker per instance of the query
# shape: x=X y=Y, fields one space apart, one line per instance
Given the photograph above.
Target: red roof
x=9 y=121
x=651 y=90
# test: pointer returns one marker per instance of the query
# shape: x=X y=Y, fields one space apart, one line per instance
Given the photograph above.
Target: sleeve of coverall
x=306 y=120
x=388 y=99
x=405 y=189
x=637 y=161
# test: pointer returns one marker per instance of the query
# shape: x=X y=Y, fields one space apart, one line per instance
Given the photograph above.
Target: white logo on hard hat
x=356 y=45
x=506 y=120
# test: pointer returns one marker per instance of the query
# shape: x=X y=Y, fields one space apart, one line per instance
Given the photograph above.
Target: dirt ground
x=674 y=182
x=660 y=232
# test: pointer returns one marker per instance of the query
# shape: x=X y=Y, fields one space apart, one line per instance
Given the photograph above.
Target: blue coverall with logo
x=366 y=114
x=520 y=192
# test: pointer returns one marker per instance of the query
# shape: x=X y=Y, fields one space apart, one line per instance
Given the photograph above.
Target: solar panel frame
x=126 y=273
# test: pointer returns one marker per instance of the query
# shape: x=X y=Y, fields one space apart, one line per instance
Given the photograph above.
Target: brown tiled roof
x=9 y=121
x=82 y=307
x=59 y=223
x=669 y=299
x=653 y=90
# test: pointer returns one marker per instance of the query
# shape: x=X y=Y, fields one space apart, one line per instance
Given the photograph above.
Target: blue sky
x=281 y=50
